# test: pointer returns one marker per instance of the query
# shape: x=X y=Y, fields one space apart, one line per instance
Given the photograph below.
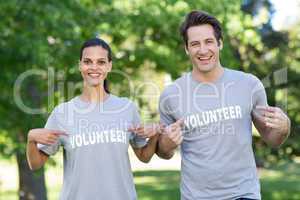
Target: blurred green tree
x=46 y=36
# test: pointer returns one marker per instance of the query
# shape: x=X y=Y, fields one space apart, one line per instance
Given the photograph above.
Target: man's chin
x=205 y=69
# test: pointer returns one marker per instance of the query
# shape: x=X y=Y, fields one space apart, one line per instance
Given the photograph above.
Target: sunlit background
x=261 y=37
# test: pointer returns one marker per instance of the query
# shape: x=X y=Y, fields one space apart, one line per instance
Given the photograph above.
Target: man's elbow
x=166 y=156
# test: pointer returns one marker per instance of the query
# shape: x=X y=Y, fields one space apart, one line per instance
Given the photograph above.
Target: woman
x=95 y=130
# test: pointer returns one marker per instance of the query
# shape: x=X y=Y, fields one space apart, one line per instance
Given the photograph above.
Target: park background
x=41 y=40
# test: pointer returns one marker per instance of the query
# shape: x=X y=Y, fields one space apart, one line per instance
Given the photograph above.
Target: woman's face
x=94 y=65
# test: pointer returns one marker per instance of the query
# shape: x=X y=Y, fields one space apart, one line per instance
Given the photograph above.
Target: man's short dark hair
x=196 y=18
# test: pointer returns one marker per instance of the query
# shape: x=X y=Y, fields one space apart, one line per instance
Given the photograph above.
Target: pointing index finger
x=179 y=122
x=265 y=108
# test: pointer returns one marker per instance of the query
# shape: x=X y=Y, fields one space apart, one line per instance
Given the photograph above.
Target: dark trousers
x=244 y=199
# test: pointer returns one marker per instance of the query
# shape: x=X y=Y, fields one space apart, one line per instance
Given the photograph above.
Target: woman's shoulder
x=122 y=102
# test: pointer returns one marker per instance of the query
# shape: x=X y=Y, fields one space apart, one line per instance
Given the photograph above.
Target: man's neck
x=210 y=76
x=94 y=94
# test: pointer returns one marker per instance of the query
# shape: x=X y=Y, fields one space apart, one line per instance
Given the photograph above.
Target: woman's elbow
x=34 y=166
x=145 y=159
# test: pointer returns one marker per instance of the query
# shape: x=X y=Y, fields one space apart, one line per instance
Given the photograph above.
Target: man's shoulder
x=176 y=85
x=242 y=76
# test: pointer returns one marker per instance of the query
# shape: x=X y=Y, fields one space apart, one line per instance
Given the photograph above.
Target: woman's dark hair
x=98 y=42
x=196 y=18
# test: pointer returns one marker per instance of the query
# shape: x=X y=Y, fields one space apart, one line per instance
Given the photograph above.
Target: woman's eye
x=100 y=62
x=87 y=62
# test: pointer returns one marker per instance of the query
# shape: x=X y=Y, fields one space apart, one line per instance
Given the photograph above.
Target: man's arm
x=272 y=124
x=169 y=140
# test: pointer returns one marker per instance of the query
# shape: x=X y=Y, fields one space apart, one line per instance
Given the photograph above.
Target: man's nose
x=202 y=49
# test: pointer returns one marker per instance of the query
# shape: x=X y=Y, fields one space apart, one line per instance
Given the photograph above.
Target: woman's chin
x=94 y=83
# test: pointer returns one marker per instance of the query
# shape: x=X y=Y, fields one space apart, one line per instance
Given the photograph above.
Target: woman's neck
x=94 y=93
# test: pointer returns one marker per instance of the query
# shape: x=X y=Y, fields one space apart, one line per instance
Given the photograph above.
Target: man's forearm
x=165 y=148
x=271 y=136
x=277 y=138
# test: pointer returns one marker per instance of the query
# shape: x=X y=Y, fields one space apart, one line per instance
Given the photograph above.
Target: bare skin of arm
x=36 y=158
x=169 y=140
x=152 y=131
x=272 y=124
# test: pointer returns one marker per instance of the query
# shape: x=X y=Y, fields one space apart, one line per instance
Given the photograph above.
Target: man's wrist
x=166 y=144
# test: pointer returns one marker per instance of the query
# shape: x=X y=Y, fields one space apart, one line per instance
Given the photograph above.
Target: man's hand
x=44 y=136
x=170 y=139
x=272 y=124
x=146 y=131
x=173 y=133
x=273 y=118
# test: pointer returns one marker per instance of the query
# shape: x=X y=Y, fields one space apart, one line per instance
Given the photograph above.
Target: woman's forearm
x=35 y=158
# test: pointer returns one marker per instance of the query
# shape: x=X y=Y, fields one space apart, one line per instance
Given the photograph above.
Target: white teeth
x=94 y=74
x=204 y=58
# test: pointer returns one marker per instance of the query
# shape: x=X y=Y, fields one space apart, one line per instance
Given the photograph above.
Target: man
x=209 y=112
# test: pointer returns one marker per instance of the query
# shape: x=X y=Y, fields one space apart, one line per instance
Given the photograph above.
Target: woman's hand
x=147 y=130
x=44 y=136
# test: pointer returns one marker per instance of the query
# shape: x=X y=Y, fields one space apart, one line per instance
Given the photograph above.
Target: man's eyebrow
x=195 y=41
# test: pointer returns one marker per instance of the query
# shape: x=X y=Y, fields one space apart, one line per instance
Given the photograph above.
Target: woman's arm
x=36 y=158
x=145 y=153
x=152 y=131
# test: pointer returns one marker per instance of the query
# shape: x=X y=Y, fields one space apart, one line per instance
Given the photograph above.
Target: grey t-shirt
x=96 y=162
x=217 y=155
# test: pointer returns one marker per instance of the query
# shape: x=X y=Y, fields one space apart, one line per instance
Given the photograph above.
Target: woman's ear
x=79 y=65
x=109 y=66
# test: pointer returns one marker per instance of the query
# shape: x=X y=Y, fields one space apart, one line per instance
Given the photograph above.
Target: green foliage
x=47 y=35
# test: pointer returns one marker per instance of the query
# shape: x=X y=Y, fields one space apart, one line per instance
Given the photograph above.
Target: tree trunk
x=31 y=184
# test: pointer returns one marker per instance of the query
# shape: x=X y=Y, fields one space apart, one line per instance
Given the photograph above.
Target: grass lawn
x=280 y=183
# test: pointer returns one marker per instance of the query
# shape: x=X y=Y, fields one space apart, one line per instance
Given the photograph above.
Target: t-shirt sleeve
x=53 y=124
x=259 y=97
x=165 y=110
x=136 y=141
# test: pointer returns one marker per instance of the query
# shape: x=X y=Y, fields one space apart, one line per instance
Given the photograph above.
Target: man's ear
x=220 y=44
x=186 y=50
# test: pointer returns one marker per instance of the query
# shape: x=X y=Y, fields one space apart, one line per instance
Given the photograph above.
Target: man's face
x=94 y=65
x=202 y=47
